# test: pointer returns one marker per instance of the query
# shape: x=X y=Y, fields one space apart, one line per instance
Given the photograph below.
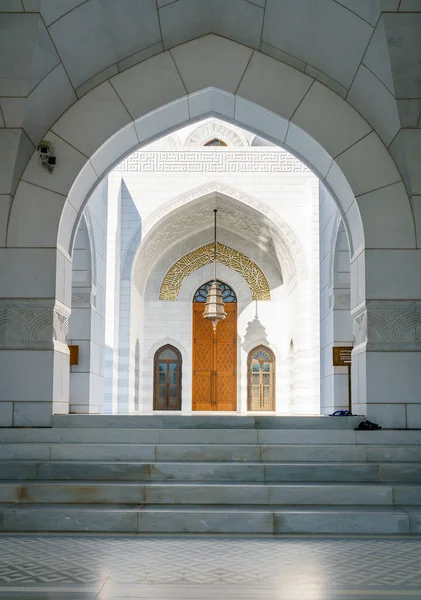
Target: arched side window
x=261 y=379
x=167 y=378
x=228 y=293
x=215 y=142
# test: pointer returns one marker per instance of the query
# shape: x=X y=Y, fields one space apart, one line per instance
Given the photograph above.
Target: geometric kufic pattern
x=210 y=161
x=340 y=563
x=200 y=257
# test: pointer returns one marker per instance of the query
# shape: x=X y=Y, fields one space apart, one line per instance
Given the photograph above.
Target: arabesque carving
x=389 y=326
x=360 y=328
x=200 y=257
x=32 y=324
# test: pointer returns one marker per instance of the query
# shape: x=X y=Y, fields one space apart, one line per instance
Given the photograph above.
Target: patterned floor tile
x=390 y=564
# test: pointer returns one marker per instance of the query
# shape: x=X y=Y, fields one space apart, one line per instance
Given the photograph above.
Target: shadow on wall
x=255 y=335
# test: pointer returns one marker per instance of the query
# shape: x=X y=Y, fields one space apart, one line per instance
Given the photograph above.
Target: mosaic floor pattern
x=69 y=567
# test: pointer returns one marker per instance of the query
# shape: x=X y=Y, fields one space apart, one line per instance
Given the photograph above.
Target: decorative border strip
x=212 y=160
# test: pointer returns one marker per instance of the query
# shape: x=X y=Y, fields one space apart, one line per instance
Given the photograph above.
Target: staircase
x=210 y=474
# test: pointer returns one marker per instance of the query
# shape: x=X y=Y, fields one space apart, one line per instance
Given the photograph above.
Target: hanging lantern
x=214 y=307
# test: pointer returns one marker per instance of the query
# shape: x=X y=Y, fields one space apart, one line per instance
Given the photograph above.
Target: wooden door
x=203 y=361
x=226 y=360
x=214 y=361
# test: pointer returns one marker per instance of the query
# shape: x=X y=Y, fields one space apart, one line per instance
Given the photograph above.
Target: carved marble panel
x=359 y=328
x=341 y=299
x=83 y=298
x=208 y=131
x=389 y=326
x=31 y=324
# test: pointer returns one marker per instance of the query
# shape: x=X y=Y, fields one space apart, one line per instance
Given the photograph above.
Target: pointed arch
x=289 y=249
x=237 y=261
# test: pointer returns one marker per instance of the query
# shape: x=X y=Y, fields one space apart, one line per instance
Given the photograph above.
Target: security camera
x=45 y=150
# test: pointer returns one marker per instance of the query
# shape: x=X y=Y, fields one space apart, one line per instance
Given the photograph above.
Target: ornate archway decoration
x=288 y=248
x=215 y=129
x=200 y=257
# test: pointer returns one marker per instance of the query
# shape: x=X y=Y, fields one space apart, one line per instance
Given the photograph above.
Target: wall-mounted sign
x=74 y=355
x=342 y=356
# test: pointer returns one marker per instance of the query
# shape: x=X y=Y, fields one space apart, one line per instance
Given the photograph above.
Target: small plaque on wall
x=74 y=355
x=342 y=356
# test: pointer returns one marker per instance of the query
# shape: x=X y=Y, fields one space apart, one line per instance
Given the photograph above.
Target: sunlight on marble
x=104 y=567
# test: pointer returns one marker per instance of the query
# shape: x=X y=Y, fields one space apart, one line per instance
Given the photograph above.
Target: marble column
x=34 y=361
x=34 y=320
x=86 y=378
x=387 y=362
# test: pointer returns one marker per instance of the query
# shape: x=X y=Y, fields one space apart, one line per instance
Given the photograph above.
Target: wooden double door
x=215 y=361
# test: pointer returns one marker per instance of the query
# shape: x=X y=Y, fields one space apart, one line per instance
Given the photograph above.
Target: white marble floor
x=70 y=567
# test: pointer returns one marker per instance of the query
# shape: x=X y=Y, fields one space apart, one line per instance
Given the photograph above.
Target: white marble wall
x=87 y=321
x=45 y=72
x=274 y=323
x=287 y=188
x=335 y=313
x=171 y=322
x=130 y=238
x=113 y=265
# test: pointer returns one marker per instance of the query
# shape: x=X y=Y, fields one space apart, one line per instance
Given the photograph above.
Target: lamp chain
x=214 y=247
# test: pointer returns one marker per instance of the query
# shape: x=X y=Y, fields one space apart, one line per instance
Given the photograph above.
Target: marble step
x=211 y=452
x=201 y=421
x=209 y=519
x=84 y=435
x=211 y=471
x=82 y=492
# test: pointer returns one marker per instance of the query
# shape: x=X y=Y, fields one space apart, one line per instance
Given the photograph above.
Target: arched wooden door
x=215 y=356
x=167 y=379
x=261 y=379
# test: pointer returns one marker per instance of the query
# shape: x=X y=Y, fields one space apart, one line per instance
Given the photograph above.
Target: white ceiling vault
x=273 y=232
x=149 y=284
x=78 y=44
x=92 y=76
x=98 y=38
x=245 y=218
